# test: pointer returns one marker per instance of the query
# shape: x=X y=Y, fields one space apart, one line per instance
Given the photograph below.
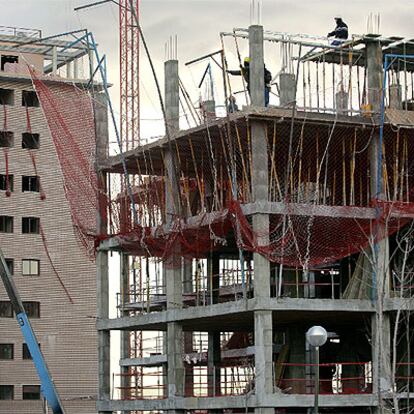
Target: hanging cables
x=167 y=128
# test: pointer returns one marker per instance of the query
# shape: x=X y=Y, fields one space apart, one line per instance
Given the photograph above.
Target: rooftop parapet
x=61 y=56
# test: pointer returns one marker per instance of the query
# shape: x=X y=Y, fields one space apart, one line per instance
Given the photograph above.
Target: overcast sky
x=197 y=23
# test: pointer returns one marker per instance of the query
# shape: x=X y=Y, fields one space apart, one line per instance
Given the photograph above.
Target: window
x=29 y=98
x=30 y=267
x=32 y=309
x=6 y=310
x=31 y=392
x=6 y=351
x=26 y=353
x=30 y=183
x=6 y=97
x=30 y=141
x=6 y=182
x=10 y=265
x=6 y=392
x=6 y=224
x=8 y=59
x=30 y=225
x=6 y=139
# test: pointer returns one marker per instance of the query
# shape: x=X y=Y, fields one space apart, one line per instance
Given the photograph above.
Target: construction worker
x=340 y=32
x=232 y=104
x=245 y=72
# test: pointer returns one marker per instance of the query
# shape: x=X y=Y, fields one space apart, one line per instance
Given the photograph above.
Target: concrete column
x=374 y=74
x=256 y=65
x=102 y=312
x=263 y=342
x=213 y=364
x=395 y=96
x=75 y=69
x=175 y=351
x=102 y=277
x=100 y=108
x=342 y=102
x=213 y=278
x=172 y=111
x=374 y=85
x=214 y=346
x=91 y=59
x=297 y=355
x=260 y=183
x=54 y=60
x=287 y=89
x=124 y=335
x=187 y=276
x=173 y=280
x=69 y=70
x=380 y=321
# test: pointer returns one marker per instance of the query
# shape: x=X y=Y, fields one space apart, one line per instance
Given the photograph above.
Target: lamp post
x=316 y=337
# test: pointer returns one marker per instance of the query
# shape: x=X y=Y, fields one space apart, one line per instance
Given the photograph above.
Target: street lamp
x=316 y=337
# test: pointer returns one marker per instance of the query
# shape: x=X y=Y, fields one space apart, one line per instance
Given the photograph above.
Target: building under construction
x=240 y=233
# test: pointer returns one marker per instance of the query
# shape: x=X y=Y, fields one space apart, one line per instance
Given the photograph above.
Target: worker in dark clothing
x=245 y=72
x=232 y=104
x=340 y=32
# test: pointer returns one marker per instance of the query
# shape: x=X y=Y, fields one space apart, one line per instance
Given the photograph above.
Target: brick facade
x=65 y=331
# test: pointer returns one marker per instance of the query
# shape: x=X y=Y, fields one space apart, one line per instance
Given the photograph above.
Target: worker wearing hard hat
x=340 y=32
x=245 y=72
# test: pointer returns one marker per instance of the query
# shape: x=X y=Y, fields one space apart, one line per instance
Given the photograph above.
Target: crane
x=47 y=387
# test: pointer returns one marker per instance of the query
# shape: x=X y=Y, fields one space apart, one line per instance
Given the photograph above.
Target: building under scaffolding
x=240 y=233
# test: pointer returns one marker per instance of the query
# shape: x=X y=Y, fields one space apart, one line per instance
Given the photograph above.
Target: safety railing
x=404 y=377
x=20 y=31
x=314 y=284
x=230 y=284
x=310 y=290
x=403 y=284
x=143 y=300
x=334 y=378
x=143 y=383
x=226 y=381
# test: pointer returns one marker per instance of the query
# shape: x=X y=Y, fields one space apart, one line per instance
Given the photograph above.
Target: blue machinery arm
x=48 y=388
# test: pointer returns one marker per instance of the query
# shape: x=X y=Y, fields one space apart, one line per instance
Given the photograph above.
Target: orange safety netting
x=70 y=117
x=306 y=241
